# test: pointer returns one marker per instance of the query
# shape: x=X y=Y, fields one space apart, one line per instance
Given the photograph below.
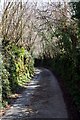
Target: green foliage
x=18 y=64
x=65 y=68
x=18 y=69
x=66 y=62
x=0 y=80
x=5 y=83
x=75 y=8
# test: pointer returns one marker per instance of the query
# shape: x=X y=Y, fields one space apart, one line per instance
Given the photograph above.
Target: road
x=42 y=99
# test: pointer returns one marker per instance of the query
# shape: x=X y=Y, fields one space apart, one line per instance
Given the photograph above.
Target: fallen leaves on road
x=2 y=112
x=14 y=95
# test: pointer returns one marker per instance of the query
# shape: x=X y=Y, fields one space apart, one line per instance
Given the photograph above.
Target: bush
x=18 y=68
x=66 y=69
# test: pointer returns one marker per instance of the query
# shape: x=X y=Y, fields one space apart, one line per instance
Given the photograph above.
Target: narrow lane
x=41 y=99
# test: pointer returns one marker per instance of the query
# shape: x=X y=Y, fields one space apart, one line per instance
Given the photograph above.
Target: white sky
x=38 y=1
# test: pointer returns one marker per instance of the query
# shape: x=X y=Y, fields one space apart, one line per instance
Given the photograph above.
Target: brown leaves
x=14 y=95
x=3 y=110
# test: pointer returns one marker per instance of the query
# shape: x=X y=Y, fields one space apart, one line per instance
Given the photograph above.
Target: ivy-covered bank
x=65 y=56
x=0 y=80
x=17 y=62
x=17 y=69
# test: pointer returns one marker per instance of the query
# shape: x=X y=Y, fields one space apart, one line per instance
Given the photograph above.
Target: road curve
x=41 y=99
